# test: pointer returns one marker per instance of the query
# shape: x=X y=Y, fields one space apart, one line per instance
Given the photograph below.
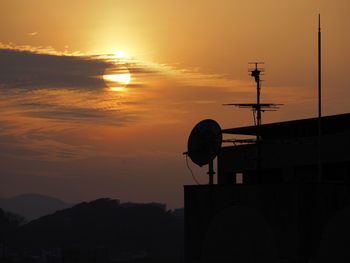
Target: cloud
x=85 y=115
x=30 y=146
x=32 y=33
x=27 y=70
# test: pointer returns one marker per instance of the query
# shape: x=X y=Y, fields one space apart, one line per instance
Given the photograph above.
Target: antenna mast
x=257 y=108
x=256 y=74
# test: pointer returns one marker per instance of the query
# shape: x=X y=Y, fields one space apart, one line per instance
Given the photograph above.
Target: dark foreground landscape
x=103 y=230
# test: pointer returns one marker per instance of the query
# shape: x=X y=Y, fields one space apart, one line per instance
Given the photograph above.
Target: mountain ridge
x=33 y=206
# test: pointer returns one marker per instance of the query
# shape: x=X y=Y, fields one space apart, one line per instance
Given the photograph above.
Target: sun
x=117 y=82
x=123 y=78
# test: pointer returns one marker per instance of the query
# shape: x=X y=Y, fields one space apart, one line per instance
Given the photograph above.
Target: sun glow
x=120 y=54
x=118 y=77
x=123 y=78
x=116 y=88
x=117 y=82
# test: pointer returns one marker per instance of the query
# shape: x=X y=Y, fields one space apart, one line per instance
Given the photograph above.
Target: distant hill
x=33 y=206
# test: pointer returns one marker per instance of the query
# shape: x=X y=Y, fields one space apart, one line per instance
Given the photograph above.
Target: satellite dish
x=204 y=142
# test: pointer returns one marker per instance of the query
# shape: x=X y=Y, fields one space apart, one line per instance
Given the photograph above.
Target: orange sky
x=63 y=129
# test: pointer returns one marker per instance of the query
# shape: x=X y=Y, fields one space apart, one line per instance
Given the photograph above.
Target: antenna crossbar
x=254 y=105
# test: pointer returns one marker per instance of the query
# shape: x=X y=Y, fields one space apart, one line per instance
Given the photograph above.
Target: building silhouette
x=283 y=211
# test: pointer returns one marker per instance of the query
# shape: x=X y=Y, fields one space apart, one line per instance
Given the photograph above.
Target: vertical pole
x=211 y=172
x=256 y=74
x=258 y=108
x=258 y=104
x=319 y=103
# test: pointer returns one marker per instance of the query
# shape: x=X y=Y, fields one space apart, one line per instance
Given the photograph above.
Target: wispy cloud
x=39 y=142
x=47 y=50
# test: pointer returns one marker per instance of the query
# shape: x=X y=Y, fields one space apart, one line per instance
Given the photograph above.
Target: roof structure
x=297 y=128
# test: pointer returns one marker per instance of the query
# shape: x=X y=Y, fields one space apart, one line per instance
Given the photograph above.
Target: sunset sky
x=97 y=98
